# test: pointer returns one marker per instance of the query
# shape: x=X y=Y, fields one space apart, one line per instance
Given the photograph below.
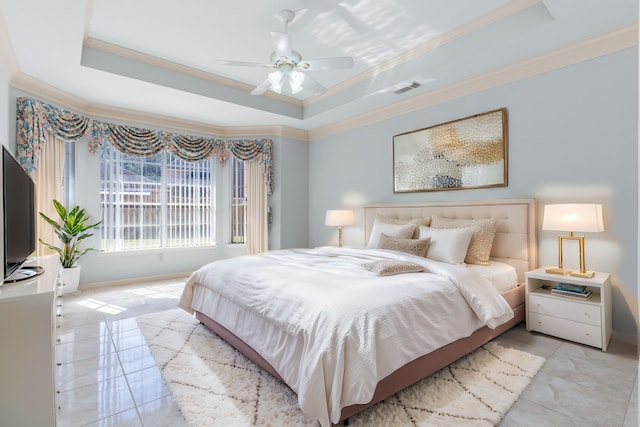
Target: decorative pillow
x=416 y=247
x=397 y=221
x=392 y=230
x=389 y=267
x=447 y=245
x=482 y=240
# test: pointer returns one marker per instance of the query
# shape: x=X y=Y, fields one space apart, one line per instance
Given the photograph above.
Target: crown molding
x=262 y=131
x=432 y=44
x=603 y=44
x=49 y=93
x=155 y=61
x=63 y=99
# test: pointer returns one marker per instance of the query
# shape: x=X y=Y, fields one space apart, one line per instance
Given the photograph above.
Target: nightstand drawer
x=565 y=309
x=567 y=329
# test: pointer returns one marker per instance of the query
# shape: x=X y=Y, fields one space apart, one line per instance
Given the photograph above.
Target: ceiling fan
x=289 y=66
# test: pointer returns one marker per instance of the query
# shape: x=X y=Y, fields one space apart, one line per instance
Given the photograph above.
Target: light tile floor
x=107 y=375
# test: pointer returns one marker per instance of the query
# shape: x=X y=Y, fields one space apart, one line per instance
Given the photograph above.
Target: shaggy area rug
x=214 y=385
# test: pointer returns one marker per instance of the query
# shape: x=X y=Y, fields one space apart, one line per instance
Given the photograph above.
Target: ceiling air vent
x=406 y=88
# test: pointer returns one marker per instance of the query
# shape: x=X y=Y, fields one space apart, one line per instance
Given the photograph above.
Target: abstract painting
x=465 y=153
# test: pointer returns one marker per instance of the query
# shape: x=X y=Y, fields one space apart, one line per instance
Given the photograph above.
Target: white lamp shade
x=339 y=217
x=584 y=218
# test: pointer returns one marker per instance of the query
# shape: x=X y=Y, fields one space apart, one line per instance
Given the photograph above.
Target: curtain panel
x=36 y=120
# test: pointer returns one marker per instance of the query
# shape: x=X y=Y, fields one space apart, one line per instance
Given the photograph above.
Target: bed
x=364 y=337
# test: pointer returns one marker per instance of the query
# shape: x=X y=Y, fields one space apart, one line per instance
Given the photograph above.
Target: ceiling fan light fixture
x=296 y=79
x=289 y=63
x=275 y=78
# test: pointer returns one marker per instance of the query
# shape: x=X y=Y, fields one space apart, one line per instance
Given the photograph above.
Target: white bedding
x=502 y=276
x=331 y=328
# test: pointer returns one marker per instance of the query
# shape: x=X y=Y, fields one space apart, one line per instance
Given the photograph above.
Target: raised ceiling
x=159 y=56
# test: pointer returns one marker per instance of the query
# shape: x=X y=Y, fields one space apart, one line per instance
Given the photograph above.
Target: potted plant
x=72 y=228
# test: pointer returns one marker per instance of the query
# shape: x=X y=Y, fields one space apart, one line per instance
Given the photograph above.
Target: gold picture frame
x=461 y=154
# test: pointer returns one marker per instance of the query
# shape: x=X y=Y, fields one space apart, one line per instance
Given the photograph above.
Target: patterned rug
x=214 y=385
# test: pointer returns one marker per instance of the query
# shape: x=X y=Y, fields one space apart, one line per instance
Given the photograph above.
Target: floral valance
x=37 y=119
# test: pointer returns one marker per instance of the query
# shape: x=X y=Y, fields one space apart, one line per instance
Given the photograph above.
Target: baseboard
x=144 y=279
x=625 y=337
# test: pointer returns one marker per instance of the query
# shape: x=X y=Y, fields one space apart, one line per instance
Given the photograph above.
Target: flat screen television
x=19 y=209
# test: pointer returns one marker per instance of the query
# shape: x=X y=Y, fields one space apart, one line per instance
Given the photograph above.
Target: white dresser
x=583 y=321
x=27 y=340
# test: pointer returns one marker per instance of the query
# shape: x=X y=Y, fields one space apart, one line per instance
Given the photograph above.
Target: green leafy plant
x=72 y=229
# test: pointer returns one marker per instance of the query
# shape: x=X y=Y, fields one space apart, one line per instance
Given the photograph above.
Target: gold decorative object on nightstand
x=584 y=218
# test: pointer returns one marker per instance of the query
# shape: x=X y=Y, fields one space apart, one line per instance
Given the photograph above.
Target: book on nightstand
x=570 y=287
x=572 y=291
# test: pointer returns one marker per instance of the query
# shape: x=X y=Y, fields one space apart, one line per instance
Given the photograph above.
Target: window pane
x=238 y=202
x=154 y=202
x=189 y=203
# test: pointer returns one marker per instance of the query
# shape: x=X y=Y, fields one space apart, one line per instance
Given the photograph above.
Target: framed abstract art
x=461 y=154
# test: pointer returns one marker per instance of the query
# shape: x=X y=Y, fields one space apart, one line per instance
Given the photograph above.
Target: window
x=69 y=174
x=238 y=202
x=155 y=202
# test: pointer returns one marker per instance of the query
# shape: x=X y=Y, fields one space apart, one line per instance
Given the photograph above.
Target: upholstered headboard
x=515 y=239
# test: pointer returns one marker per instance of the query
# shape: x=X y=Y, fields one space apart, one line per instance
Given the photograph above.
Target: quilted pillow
x=389 y=267
x=482 y=240
x=447 y=245
x=416 y=247
x=392 y=230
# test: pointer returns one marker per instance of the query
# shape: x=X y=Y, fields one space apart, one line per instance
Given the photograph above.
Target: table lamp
x=582 y=218
x=339 y=218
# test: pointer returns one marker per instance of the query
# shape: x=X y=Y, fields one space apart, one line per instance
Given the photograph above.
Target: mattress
x=502 y=276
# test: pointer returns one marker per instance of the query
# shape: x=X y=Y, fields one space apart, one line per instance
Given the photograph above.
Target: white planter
x=70 y=278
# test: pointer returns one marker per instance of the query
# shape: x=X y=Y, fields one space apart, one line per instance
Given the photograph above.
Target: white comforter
x=348 y=327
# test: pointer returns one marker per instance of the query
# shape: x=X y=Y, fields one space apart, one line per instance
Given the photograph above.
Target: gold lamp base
x=557 y=270
x=585 y=274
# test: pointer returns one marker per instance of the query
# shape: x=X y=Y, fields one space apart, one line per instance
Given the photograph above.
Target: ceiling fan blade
x=261 y=88
x=313 y=86
x=281 y=44
x=244 y=64
x=326 y=63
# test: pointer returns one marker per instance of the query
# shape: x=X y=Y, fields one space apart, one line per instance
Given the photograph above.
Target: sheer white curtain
x=257 y=221
x=48 y=178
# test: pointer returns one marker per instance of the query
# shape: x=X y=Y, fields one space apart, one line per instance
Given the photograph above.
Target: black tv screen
x=19 y=214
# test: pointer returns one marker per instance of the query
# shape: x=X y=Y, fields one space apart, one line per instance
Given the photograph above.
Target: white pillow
x=392 y=230
x=447 y=244
x=483 y=232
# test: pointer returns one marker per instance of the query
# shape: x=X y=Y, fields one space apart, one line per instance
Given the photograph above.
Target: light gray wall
x=293 y=212
x=8 y=139
x=572 y=137
x=5 y=139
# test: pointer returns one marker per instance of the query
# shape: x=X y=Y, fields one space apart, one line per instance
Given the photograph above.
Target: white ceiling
x=159 y=56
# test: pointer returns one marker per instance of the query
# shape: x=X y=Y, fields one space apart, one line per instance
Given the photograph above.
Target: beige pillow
x=397 y=221
x=404 y=231
x=411 y=246
x=484 y=231
x=389 y=267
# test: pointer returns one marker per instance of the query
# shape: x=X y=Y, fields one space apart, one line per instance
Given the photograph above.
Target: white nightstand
x=587 y=322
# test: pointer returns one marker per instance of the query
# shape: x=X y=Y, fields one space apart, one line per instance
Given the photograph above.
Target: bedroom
x=572 y=137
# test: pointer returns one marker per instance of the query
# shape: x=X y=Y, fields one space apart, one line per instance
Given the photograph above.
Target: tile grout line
x=124 y=373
